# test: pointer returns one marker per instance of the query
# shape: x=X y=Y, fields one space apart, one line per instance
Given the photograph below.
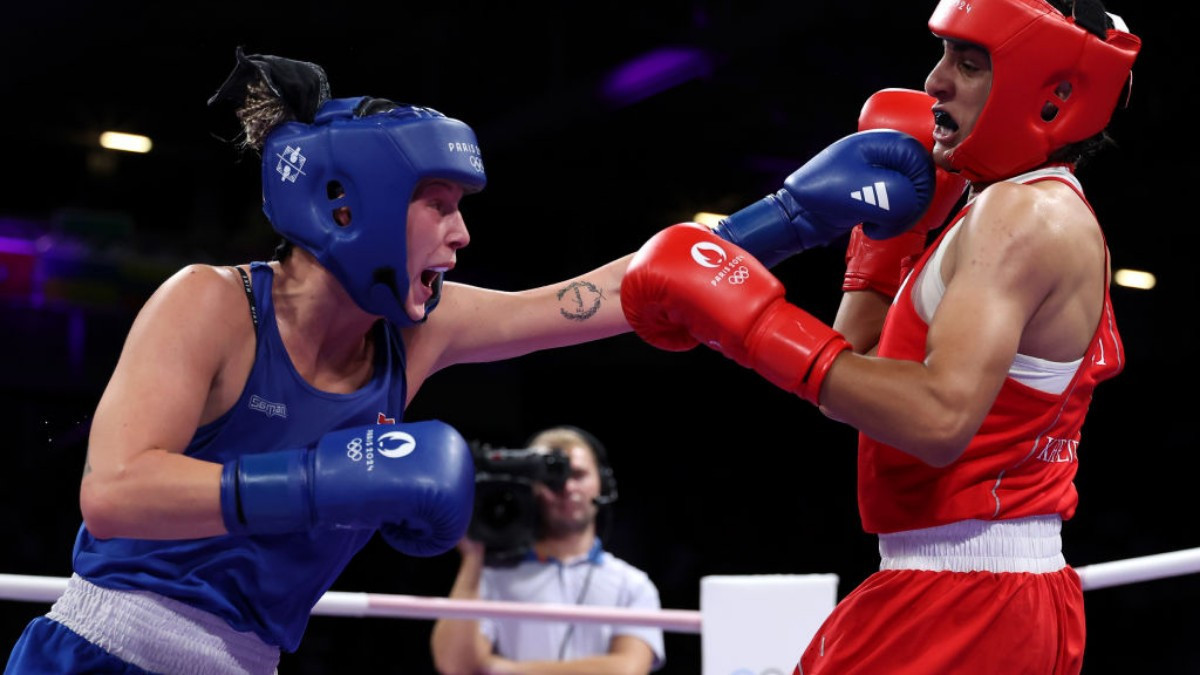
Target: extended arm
x=880 y=176
x=475 y=325
x=929 y=409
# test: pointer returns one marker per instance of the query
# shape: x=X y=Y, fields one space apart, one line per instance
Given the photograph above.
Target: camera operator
x=567 y=565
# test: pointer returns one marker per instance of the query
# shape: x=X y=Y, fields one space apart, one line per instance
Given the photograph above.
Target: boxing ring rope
x=1145 y=568
x=342 y=603
x=339 y=603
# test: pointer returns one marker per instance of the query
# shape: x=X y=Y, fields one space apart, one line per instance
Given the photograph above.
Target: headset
x=608 y=481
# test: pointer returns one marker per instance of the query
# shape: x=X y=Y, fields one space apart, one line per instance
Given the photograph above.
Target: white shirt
x=596 y=578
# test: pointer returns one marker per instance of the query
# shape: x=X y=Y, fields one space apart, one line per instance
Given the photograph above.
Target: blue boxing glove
x=881 y=178
x=415 y=481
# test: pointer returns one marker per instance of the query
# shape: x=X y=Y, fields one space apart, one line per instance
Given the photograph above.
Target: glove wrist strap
x=794 y=350
x=880 y=265
x=267 y=493
x=763 y=229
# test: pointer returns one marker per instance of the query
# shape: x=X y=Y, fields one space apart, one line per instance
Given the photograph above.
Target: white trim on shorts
x=159 y=634
x=1032 y=544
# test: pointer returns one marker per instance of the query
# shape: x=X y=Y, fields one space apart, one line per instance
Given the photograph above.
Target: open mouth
x=943 y=119
x=430 y=276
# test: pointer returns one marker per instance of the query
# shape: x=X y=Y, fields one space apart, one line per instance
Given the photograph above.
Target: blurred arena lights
x=116 y=140
x=1134 y=279
x=708 y=218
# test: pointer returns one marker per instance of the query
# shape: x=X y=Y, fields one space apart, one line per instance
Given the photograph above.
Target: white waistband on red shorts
x=1031 y=544
x=160 y=634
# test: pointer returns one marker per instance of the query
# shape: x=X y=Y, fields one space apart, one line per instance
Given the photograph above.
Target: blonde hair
x=260 y=112
x=556 y=437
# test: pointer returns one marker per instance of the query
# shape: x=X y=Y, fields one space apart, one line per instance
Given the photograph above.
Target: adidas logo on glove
x=873 y=194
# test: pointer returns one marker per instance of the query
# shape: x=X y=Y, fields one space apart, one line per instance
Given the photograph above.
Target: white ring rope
x=339 y=603
x=1145 y=568
x=410 y=606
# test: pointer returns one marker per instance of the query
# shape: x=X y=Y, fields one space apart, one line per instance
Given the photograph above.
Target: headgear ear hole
x=1063 y=90
x=1049 y=112
x=341 y=214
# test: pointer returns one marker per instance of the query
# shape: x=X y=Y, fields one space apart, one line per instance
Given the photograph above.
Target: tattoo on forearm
x=580 y=300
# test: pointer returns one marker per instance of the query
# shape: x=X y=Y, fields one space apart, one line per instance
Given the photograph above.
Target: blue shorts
x=49 y=647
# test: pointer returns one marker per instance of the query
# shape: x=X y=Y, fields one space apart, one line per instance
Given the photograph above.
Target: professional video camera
x=506 y=515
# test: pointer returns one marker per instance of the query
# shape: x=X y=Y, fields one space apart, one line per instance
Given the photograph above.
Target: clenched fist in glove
x=882 y=177
x=882 y=264
x=687 y=286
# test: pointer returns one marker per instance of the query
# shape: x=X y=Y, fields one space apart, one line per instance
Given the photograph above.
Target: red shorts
x=917 y=622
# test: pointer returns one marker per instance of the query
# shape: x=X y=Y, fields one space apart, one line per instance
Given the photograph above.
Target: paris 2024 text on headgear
x=369 y=164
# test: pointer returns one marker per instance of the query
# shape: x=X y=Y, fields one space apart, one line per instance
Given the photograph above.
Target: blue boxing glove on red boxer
x=883 y=178
x=882 y=265
x=416 y=482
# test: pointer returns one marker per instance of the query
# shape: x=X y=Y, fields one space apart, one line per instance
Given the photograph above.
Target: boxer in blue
x=248 y=443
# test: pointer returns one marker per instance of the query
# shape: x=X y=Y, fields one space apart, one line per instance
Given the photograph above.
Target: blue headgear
x=370 y=164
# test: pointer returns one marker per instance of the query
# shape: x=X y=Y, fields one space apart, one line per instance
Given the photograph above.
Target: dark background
x=719 y=472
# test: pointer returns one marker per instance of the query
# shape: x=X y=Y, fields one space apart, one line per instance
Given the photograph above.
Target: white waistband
x=1022 y=545
x=160 y=634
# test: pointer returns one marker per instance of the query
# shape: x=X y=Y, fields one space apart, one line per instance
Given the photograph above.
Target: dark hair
x=283 y=250
x=1091 y=16
x=1081 y=153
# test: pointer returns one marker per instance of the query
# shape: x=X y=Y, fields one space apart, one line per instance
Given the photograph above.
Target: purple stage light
x=655 y=72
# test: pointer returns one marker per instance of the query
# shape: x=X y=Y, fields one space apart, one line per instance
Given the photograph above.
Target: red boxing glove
x=882 y=264
x=686 y=285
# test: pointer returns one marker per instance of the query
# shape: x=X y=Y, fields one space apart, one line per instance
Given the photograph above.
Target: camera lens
x=501 y=509
x=505 y=514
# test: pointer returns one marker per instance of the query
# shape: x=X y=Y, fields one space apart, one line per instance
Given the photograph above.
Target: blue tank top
x=267 y=584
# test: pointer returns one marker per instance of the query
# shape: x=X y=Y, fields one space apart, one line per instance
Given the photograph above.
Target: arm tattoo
x=580 y=300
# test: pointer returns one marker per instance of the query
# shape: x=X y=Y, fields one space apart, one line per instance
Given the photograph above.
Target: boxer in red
x=968 y=367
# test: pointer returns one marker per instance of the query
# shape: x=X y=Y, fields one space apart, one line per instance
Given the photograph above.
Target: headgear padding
x=370 y=164
x=1044 y=65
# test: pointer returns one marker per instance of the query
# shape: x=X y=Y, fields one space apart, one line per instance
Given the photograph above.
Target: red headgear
x=1053 y=82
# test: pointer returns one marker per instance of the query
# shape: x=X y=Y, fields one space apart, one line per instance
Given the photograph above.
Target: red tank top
x=1020 y=463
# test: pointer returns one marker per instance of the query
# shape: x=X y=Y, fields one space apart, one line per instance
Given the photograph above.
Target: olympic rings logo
x=354 y=450
x=739 y=276
x=477 y=163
